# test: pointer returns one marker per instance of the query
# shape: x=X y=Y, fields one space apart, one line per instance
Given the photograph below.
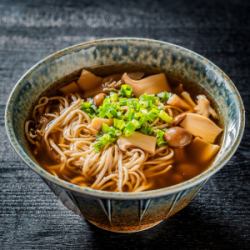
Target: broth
x=125 y=167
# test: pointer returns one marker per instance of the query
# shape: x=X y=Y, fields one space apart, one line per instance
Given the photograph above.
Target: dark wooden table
x=30 y=215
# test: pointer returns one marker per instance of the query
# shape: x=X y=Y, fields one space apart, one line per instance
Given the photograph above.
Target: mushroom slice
x=204 y=108
x=70 y=88
x=136 y=75
x=88 y=80
x=175 y=100
x=178 y=119
x=150 y=85
x=187 y=97
x=204 y=151
x=178 y=137
x=139 y=140
x=201 y=126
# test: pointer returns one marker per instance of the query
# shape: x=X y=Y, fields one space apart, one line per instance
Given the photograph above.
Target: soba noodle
x=68 y=137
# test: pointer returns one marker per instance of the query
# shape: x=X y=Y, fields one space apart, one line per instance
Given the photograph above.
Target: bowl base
x=125 y=229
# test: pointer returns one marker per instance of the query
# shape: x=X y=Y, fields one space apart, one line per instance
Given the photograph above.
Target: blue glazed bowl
x=126 y=212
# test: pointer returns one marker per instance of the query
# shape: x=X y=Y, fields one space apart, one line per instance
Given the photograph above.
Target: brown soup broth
x=185 y=165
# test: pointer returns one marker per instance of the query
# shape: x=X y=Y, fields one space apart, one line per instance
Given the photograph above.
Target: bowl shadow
x=189 y=229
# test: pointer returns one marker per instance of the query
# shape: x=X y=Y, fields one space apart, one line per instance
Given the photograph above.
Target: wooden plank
x=30 y=215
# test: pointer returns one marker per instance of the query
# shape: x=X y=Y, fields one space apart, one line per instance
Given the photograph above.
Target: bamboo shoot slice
x=201 y=126
x=70 y=88
x=88 y=80
x=204 y=151
x=139 y=140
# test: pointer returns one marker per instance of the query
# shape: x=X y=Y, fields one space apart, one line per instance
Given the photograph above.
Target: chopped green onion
x=148 y=101
x=130 y=128
x=152 y=114
x=108 y=109
x=146 y=129
x=103 y=141
x=126 y=91
x=160 y=140
x=165 y=117
x=89 y=108
x=123 y=101
x=129 y=114
x=114 y=97
x=105 y=128
x=164 y=96
x=119 y=124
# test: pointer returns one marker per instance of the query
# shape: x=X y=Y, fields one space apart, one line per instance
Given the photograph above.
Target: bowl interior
x=172 y=59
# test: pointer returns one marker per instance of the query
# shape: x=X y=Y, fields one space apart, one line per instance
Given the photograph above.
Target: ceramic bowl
x=126 y=212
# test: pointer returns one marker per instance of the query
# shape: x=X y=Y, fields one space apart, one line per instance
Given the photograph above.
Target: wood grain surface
x=30 y=215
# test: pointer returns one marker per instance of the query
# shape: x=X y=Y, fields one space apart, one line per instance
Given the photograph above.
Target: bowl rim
x=202 y=177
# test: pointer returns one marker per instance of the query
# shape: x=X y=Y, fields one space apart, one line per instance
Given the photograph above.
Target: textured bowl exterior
x=125 y=215
x=126 y=212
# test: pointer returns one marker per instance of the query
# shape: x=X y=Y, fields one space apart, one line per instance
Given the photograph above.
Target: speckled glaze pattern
x=126 y=212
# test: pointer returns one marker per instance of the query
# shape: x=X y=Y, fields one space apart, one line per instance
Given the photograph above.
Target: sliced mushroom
x=175 y=100
x=150 y=85
x=178 y=119
x=88 y=80
x=187 y=97
x=201 y=126
x=204 y=108
x=136 y=75
x=97 y=122
x=98 y=99
x=205 y=151
x=178 y=137
x=70 y=88
x=139 y=140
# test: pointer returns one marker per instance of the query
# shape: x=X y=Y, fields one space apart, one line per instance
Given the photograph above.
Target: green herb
x=160 y=140
x=102 y=141
x=148 y=101
x=109 y=135
x=152 y=114
x=123 y=101
x=113 y=97
x=108 y=109
x=165 y=117
x=164 y=96
x=105 y=128
x=146 y=129
x=89 y=108
x=113 y=132
x=126 y=91
x=129 y=114
x=119 y=124
x=130 y=127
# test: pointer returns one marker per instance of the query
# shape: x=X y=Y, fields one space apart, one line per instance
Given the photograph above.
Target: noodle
x=62 y=136
x=68 y=135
